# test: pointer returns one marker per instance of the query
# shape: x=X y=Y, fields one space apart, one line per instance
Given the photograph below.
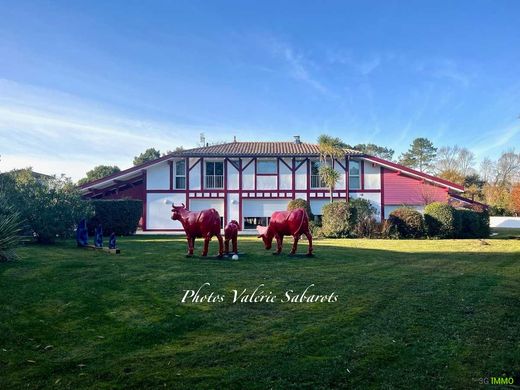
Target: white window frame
x=316 y=178
x=358 y=176
x=260 y=161
x=216 y=180
x=177 y=175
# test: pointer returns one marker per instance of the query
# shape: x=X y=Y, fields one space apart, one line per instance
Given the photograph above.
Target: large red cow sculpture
x=231 y=234
x=286 y=223
x=205 y=224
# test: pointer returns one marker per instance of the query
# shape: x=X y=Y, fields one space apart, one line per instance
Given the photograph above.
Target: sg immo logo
x=499 y=380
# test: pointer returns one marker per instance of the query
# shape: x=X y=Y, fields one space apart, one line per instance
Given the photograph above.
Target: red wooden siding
x=400 y=189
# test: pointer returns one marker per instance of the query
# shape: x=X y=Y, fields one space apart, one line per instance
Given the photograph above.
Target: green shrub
x=337 y=220
x=120 y=216
x=440 y=220
x=10 y=226
x=468 y=223
x=300 y=204
x=50 y=206
x=316 y=230
x=473 y=224
x=386 y=229
x=484 y=230
x=405 y=222
x=363 y=216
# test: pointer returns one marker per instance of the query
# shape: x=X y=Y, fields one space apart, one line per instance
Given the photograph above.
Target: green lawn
x=410 y=314
x=506 y=233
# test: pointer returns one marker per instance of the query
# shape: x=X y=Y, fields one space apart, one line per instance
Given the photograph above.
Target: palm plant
x=330 y=149
x=330 y=177
x=10 y=226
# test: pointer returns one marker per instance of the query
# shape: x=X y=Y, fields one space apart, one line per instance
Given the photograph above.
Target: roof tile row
x=259 y=149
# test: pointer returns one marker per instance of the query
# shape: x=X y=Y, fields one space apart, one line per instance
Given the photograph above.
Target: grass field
x=507 y=233
x=409 y=314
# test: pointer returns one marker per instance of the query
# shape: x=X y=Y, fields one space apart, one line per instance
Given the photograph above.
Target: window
x=266 y=167
x=253 y=222
x=298 y=162
x=180 y=174
x=316 y=181
x=354 y=175
x=214 y=174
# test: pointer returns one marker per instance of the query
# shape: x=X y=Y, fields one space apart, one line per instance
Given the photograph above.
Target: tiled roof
x=259 y=149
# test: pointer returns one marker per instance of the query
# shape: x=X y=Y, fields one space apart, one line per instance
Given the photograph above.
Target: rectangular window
x=266 y=167
x=354 y=175
x=316 y=181
x=214 y=174
x=180 y=175
x=253 y=222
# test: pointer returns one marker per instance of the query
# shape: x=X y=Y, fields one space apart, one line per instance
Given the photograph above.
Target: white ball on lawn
x=235 y=257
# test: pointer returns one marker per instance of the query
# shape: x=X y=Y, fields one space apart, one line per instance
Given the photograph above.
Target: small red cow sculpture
x=231 y=234
x=286 y=223
x=205 y=224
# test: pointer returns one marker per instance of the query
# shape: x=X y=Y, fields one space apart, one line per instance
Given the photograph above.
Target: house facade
x=248 y=181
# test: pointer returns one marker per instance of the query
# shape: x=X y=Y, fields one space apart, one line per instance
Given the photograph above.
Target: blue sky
x=87 y=83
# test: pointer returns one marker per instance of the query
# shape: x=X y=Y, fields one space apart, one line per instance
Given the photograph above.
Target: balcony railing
x=316 y=182
x=214 y=181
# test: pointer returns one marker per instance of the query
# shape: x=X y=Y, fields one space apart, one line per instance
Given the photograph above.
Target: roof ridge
x=260 y=148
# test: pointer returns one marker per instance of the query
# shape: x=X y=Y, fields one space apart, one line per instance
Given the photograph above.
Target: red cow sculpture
x=231 y=234
x=286 y=223
x=205 y=224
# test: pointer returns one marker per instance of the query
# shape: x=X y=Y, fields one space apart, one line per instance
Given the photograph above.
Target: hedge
x=120 y=216
x=406 y=222
x=440 y=220
x=337 y=220
x=472 y=224
x=300 y=204
x=485 y=230
x=444 y=221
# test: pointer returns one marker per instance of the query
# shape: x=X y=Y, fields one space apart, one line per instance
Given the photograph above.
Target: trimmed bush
x=363 y=216
x=484 y=230
x=469 y=223
x=120 y=216
x=300 y=204
x=441 y=220
x=405 y=222
x=337 y=220
x=472 y=224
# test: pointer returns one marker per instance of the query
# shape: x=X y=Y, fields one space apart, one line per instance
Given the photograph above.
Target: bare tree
x=504 y=172
x=466 y=161
x=447 y=158
x=508 y=168
x=455 y=159
x=427 y=194
x=487 y=170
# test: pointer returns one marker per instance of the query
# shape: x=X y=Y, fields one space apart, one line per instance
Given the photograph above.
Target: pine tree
x=420 y=155
x=148 y=155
